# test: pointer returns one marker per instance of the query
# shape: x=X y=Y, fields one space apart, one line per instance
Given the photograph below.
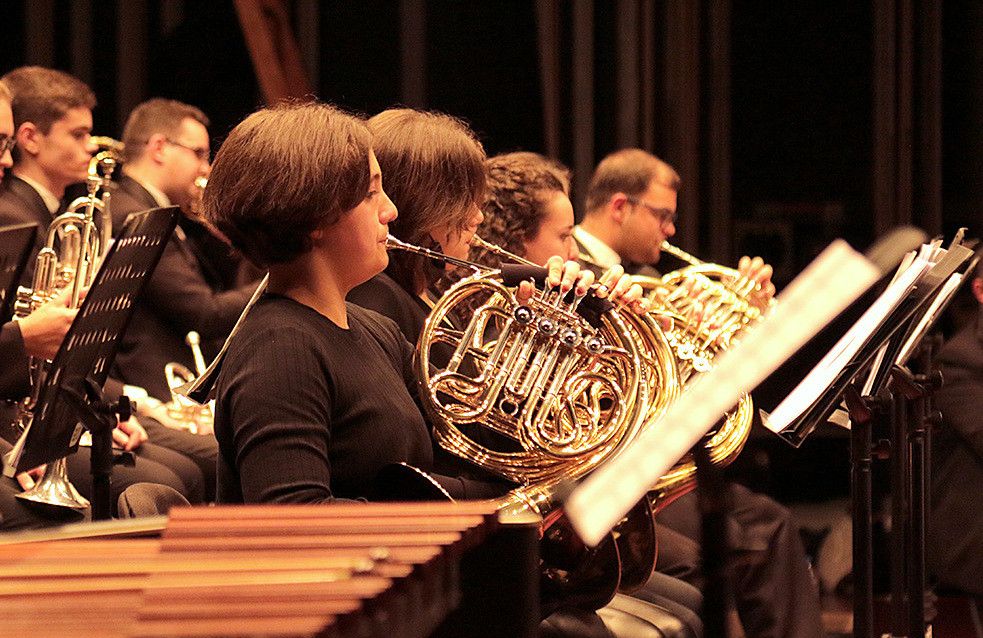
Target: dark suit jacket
x=19 y=203
x=955 y=549
x=180 y=297
x=14 y=380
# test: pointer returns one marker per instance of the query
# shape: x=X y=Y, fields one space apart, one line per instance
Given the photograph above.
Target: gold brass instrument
x=564 y=393
x=181 y=412
x=535 y=393
x=77 y=240
x=709 y=306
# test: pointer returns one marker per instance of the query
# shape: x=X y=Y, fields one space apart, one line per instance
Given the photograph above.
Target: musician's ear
x=28 y=138
x=619 y=206
x=978 y=289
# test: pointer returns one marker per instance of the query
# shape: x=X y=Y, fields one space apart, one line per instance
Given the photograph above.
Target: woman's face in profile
x=555 y=233
x=457 y=242
x=356 y=243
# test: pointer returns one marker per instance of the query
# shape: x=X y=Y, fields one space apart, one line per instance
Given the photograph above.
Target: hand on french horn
x=617 y=287
x=755 y=274
x=614 y=285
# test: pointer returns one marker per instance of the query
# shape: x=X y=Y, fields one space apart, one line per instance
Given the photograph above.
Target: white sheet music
x=941 y=300
x=836 y=278
x=822 y=376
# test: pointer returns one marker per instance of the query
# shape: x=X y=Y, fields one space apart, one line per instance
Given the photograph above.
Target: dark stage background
x=791 y=123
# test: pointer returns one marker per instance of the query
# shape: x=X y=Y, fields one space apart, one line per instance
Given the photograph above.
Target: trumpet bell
x=54 y=489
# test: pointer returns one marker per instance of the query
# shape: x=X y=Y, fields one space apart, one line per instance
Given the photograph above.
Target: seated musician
x=955 y=540
x=435 y=174
x=316 y=395
x=630 y=210
x=166 y=149
x=52 y=123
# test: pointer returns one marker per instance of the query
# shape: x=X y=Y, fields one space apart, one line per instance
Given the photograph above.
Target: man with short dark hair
x=167 y=151
x=630 y=211
x=52 y=124
x=52 y=114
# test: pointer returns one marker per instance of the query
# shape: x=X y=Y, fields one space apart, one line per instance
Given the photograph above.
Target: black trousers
x=153 y=464
x=775 y=593
x=201 y=449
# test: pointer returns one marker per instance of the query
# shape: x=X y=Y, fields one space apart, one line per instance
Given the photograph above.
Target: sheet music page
x=836 y=278
x=941 y=300
x=187 y=389
x=821 y=376
x=869 y=383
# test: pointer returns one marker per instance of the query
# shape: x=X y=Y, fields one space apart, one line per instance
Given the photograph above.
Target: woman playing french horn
x=315 y=394
x=436 y=174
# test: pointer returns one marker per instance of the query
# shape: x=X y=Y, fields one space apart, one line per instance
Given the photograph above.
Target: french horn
x=708 y=306
x=541 y=393
x=182 y=413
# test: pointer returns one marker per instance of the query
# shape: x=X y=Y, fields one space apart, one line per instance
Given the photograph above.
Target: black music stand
x=15 y=249
x=902 y=408
x=885 y=405
x=72 y=388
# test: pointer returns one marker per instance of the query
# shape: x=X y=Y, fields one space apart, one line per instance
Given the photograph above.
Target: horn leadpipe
x=679 y=253
x=478 y=242
x=398 y=244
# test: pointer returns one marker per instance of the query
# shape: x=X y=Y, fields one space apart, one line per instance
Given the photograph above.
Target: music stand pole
x=910 y=487
x=864 y=411
x=712 y=500
x=99 y=417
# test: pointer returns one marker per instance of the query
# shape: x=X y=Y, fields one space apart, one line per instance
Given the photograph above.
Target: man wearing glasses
x=630 y=211
x=52 y=126
x=166 y=155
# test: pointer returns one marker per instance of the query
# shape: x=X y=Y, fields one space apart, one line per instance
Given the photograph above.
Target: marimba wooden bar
x=363 y=570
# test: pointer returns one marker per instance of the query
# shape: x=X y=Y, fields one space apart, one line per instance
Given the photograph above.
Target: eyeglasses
x=7 y=143
x=203 y=154
x=664 y=215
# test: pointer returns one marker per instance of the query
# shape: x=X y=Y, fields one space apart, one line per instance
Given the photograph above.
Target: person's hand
x=617 y=287
x=562 y=274
x=27 y=479
x=758 y=276
x=44 y=329
x=129 y=435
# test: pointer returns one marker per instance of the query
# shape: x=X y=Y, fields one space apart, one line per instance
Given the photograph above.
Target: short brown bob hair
x=433 y=170
x=520 y=185
x=284 y=172
x=628 y=171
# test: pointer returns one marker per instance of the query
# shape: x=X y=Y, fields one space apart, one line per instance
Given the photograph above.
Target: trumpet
x=182 y=412
x=77 y=241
